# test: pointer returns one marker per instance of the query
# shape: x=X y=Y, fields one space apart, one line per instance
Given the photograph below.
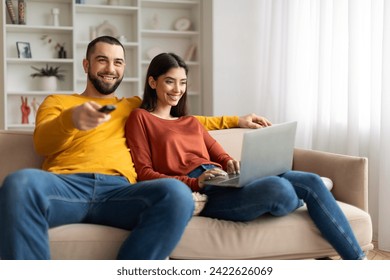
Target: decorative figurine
x=34 y=106
x=25 y=110
x=55 y=16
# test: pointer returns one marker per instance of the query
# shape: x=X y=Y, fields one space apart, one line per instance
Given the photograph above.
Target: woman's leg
x=325 y=213
x=272 y=195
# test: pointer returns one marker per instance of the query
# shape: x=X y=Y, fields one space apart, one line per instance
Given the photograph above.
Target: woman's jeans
x=32 y=201
x=281 y=195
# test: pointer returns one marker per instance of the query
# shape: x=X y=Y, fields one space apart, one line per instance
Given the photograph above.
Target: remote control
x=107 y=109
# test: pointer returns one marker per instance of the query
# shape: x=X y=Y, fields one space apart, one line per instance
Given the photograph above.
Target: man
x=88 y=174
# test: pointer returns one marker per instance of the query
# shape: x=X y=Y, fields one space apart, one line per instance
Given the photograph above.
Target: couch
x=290 y=237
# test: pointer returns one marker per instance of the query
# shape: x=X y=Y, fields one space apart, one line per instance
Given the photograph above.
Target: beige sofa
x=290 y=237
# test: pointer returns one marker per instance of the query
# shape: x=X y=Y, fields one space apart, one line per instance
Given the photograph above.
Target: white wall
x=234 y=31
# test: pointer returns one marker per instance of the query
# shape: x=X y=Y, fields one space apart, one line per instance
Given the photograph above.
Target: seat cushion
x=290 y=237
x=85 y=242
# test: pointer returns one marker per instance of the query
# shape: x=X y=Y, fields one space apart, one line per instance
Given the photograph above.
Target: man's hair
x=104 y=39
x=160 y=65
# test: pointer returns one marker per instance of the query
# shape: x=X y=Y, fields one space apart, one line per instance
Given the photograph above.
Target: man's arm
x=53 y=129
x=247 y=121
x=253 y=121
x=57 y=125
x=212 y=123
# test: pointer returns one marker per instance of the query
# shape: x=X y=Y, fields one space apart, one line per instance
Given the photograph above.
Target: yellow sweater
x=100 y=150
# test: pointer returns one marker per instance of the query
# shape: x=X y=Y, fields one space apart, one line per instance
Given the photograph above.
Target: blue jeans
x=32 y=201
x=280 y=195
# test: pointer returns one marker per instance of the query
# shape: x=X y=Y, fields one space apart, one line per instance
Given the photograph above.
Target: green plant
x=48 y=71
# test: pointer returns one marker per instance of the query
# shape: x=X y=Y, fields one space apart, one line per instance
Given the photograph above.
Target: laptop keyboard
x=232 y=181
x=228 y=180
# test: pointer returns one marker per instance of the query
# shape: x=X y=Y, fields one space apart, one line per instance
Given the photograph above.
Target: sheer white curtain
x=326 y=63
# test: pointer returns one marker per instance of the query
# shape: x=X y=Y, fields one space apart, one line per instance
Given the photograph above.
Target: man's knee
x=176 y=194
x=18 y=184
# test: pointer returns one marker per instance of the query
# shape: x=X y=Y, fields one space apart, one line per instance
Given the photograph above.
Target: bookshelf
x=145 y=27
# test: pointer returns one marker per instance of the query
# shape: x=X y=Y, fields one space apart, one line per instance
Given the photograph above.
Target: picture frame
x=24 y=50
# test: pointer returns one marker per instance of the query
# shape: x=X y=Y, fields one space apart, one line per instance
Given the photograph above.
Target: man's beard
x=102 y=87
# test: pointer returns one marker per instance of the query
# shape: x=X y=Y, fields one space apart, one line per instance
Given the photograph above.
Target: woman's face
x=170 y=87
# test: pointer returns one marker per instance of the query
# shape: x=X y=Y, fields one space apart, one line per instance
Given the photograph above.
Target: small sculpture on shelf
x=34 y=105
x=25 y=110
x=55 y=12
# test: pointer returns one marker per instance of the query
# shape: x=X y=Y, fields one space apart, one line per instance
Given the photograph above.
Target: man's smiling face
x=106 y=67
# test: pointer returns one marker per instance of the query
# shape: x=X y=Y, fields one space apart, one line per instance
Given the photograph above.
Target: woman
x=171 y=144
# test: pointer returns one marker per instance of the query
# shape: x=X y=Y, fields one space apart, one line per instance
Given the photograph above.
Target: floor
x=374 y=254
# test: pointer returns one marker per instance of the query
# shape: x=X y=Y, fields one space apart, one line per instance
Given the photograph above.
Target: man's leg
x=33 y=200
x=156 y=212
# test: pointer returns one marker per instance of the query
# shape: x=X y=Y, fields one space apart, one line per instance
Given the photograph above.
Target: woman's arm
x=216 y=151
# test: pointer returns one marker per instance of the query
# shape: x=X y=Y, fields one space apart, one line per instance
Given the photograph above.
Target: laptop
x=265 y=152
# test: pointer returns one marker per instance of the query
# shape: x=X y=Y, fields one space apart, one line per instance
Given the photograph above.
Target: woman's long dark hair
x=160 y=65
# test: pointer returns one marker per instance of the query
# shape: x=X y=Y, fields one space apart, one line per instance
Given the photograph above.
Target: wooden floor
x=374 y=254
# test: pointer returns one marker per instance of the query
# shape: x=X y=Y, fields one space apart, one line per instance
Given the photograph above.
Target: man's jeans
x=32 y=201
x=281 y=195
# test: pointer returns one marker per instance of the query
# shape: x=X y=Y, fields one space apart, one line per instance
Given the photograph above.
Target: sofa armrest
x=348 y=173
x=17 y=152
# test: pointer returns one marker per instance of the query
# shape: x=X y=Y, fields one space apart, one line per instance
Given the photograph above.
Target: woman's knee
x=276 y=188
x=281 y=194
x=308 y=180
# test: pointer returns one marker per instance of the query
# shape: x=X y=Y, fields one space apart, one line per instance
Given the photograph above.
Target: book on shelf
x=11 y=11
x=190 y=53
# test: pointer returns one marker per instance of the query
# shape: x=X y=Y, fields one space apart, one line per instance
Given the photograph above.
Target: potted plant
x=49 y=76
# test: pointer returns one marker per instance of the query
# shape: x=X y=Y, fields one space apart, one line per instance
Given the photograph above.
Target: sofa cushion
x=266 y=237
x=86 y=242
x=204 y=238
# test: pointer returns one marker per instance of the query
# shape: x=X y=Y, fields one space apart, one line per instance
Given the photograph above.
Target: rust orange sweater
x=171 y=148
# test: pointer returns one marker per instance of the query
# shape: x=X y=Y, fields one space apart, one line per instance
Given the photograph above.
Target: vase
x=55 y=16
x=48 y=83
x=22 y=12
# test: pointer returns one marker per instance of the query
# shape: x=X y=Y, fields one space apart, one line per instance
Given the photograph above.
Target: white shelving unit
x=158 y=33
x=147 y=27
